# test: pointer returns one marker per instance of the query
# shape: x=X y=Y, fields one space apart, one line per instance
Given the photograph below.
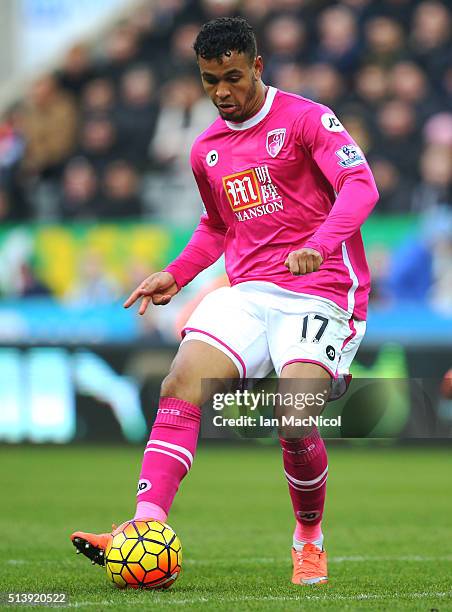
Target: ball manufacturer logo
x=331 y=123
x=143 y=485
x=212 y=158
x=330 y=352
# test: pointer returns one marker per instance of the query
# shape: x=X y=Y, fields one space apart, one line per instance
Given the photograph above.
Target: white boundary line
x=328 y=596
x=265 y=560
x=350 y=559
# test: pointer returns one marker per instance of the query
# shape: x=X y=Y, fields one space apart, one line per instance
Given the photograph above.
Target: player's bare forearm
x=303 y=261
x=157 y=288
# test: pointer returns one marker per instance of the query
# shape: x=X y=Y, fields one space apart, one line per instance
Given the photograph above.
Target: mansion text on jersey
x=259 y=211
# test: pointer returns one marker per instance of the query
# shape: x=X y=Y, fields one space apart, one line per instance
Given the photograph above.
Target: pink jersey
x=269 y=187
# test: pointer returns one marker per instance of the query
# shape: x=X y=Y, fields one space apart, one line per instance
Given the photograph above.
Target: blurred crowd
x=108 y=135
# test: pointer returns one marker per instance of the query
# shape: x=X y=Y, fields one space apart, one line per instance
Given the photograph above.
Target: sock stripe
x=176 y=447
x=164 y=452
x=306 y=490
x=307 y=482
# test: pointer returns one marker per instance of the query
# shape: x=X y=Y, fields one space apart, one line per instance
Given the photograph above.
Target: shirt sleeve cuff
x=312 y=244
x=177 y=274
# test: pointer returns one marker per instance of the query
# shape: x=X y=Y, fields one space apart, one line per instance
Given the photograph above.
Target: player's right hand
x=158 y=288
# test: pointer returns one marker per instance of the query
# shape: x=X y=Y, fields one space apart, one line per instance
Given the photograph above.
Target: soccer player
x=285 y=190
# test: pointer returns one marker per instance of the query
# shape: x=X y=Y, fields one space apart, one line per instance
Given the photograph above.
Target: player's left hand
x=303 y=261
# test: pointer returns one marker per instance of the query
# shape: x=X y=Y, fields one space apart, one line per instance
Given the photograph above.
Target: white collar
x=255 y=119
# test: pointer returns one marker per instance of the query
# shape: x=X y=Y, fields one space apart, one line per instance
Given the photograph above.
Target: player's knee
x=295 y=423
x=180 y=385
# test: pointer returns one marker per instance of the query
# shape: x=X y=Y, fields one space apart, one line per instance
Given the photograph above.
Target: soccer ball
x=144 y=555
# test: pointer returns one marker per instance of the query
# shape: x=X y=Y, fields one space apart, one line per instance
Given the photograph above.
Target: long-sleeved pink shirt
x=269 y=187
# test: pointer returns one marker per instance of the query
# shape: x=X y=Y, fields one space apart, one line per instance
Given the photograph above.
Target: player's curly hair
x=223 y=35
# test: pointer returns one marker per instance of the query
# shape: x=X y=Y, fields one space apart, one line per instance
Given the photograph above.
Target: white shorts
x=261 y=326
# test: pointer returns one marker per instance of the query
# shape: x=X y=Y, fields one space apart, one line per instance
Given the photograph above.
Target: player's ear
x=258 y=67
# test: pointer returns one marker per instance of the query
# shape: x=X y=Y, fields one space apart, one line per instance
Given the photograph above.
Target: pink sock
x=308 y=533
x=147 y=510
x=168 y=456
x=306 y=470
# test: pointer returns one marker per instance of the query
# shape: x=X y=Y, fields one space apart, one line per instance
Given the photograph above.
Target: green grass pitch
x=387 y=528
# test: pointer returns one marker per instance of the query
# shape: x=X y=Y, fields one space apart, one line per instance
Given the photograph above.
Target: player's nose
x=222 y=93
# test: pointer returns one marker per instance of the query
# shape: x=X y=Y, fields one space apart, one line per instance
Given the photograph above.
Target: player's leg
x=306 y=339
x=172 y=444
x=169 y=453
x=305 y=466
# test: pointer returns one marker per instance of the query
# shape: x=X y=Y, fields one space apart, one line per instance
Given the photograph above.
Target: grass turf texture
x=387 y=528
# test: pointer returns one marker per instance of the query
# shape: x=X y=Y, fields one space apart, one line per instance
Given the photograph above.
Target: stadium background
x=99 y=105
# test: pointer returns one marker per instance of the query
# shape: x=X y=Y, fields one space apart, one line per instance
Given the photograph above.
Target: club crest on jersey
x=275 y=141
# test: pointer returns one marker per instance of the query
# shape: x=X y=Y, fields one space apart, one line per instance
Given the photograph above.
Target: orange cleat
x=93 y=545
x=309 y=565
